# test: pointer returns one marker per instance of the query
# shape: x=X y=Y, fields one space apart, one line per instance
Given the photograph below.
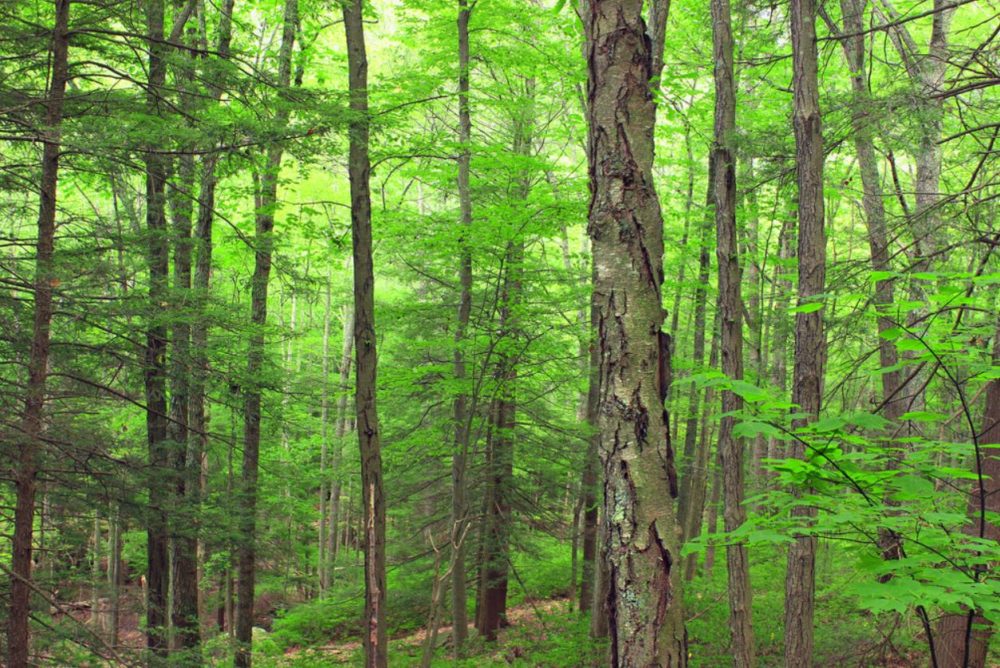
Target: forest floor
x=530 y=623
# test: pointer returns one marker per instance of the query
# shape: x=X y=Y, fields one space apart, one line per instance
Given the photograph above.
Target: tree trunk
x=267 y=196
x=373 y=499
x=626 y=228
x=114 y=574
x=343 y=422
x=184 y=615
x=731 y=454
x=695 y=503
x=32 y=424
x=492 y=613
x=459 y=511
x=690 y=517
x=157 y=543
x=591 y=466
x=809 y=339
x=322 y=562
x=962 y=640
x=201 y=287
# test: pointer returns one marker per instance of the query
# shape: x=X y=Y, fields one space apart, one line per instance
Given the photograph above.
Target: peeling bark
x=626 y=228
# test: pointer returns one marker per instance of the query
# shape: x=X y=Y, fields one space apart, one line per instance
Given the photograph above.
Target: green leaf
x=923 y=416
x=808 y=307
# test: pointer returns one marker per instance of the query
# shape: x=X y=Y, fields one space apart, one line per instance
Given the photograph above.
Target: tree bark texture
x=373 y=499
x=626 y=229
x=32 y=422
x=810 y=343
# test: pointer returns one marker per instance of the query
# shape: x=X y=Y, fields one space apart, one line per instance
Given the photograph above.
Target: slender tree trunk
x=32 y=424
x=731 y=456
x=853 y=44
x=810 y=342
x=323 y=563
x=695 y=503
x=592 y=463
x=343 y=423
x=459 y=511
x=779 y=341
x=201 y=287
x=626 y=228
x=267 y=198
x=114 y=574
x=690 y=474
x=157 y=543
x=373 y=499
x=713 y=521
x=962 y=640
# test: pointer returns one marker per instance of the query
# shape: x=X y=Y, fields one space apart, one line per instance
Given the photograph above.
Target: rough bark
x=809 y=338
x=32 y=422
x=373 y=499
x=626 y=228
x=266 y=195
x=731 y=448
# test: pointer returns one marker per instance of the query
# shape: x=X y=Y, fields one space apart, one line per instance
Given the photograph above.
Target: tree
x=45 y=280
x=265 y=201
x=459 y=510
x=731 y=457
x=810 y=344
x=625 y=227
x=372 y=495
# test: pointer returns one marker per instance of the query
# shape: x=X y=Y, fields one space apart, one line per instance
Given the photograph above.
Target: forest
x=499 y=332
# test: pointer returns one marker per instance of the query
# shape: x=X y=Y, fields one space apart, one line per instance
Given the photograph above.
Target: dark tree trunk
x=32 y=424
x=626 y=228
x=731 y=448
x=690 y=474
x=184 y=615
x=157 y=543
x=810 y=342
x=373 y=499
x=201 y=286
x=591 y=466
x=694 y=506
x=266 y=196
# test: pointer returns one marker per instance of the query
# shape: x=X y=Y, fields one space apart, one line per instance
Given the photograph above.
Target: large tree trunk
x=810 y=343
x=266 y=196
x=962 y=640
x=626 y=228
x=157 y=543
x=32 y=424
x=459 y=520
x=731 y=332
x=373 y=499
